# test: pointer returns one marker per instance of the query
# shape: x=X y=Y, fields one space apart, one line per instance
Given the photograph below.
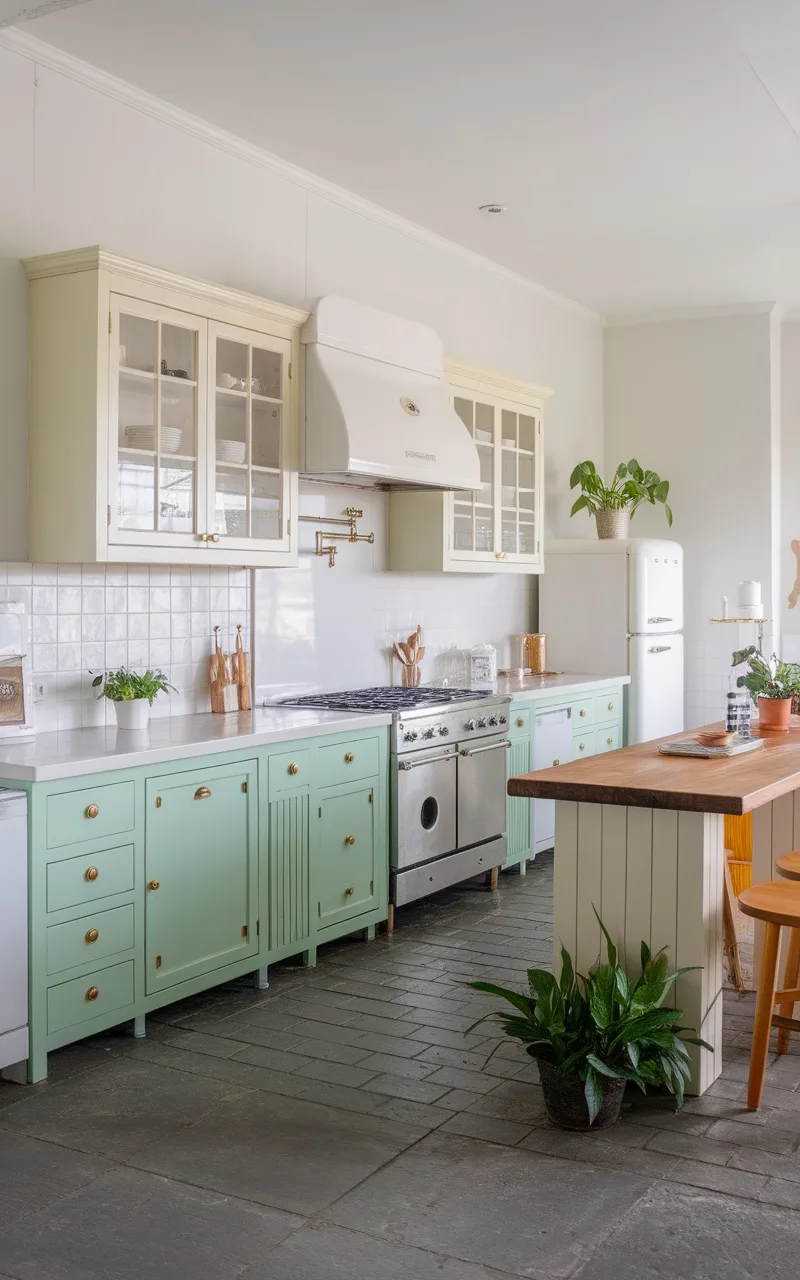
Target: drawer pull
x=294 y=768
x=582 y=746
x=611 y=706
x=608 y=742
x=92 y=935
x=202 y=793
x=92 y=993
x=582 y=712
x=91 y=811
x=555 y=762
x=520 y=722
x=349 y=839
x=350 y=890
x=91 y=873
x=154 y=884
x=349 y=757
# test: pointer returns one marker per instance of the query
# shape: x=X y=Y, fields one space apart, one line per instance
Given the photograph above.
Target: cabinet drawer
x=348 y=762
x=288 y=770
x=89 y=878
x=93 y=937
x=89 y=997
x=90 y=813
x=608 y=707
x=519 y=723
x=582 y=714
x=583 y=745
x=606 y=739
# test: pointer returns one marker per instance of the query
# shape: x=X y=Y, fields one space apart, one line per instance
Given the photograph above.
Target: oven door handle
x=405 y=765
x=494 y=746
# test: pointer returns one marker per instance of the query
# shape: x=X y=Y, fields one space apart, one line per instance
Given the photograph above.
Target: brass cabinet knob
x=202 y=793
x=582 y=746
x=154 y=884
x=520 y=722
x=499 y=555
x=582 y=712
x=611 y=706
x=350 y=890
x=213 y=537
x=92 y=993
x=294 y=768
x=349 y=757
x=202 y=537
x=555 y=762
x=92 y=935
x=608 y=741
x=91 y=811
x=349 y=839
x=91 y=873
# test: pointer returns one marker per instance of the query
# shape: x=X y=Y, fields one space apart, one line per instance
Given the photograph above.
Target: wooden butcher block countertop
x=642 y=777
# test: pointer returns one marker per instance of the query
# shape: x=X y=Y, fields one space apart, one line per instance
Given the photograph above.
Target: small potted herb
x=132 y=694
x=772 y=685
x=613 y=506
x=592 y=1036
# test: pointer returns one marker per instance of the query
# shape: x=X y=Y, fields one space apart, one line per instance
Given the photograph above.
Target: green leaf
x=523 y=1003
x=593 y=1091
x=613 y=1073
x=601 y=996
x=567 y=973
x=580 y=504
x=645 y=953
x=612 y=950
x=668 y=513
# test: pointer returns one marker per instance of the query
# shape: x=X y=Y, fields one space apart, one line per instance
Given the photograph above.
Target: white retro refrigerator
x=614 y=608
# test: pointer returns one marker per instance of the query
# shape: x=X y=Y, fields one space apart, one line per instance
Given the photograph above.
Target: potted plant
x=592 y=1036
x=772 y=685
x=132 y=694
x=613 y=506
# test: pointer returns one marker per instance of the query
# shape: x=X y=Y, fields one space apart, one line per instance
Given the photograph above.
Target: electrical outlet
x=44 y=687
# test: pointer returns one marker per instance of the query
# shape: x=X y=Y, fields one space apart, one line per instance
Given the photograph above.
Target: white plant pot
x=134 y=714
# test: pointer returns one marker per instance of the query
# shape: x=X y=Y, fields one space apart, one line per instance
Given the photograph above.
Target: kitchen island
x=639 y=836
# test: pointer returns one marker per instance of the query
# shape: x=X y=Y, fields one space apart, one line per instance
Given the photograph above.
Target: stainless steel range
x=448 y=782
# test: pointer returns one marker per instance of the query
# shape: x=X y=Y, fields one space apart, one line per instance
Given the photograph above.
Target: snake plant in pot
x=593 y=1035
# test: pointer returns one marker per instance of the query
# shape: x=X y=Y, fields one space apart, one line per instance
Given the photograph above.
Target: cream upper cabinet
x=164 y=417
x=497 y=529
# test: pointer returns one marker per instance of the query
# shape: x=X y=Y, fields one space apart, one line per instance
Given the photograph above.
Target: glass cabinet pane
x=248 y=440
x=157 y=425
x=473 y=513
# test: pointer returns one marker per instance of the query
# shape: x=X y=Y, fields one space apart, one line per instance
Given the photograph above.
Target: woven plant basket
x=612 y=524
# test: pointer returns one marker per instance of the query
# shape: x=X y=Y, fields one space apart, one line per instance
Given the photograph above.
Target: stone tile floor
x=347 y=1123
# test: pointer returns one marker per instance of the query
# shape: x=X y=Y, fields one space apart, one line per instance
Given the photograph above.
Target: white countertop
x=532 y=688
x=78 y=751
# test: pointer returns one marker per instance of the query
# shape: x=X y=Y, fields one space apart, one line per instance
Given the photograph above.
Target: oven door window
x=482 y=792
x=426 y=809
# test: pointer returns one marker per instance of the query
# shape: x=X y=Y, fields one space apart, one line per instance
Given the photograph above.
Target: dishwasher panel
x=552 y=745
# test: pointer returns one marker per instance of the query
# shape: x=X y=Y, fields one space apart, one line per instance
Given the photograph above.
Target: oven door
x=481 y=791
x=425 y=807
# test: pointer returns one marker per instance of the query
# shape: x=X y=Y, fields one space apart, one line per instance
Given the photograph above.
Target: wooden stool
x=788 y=866
x=778 y=905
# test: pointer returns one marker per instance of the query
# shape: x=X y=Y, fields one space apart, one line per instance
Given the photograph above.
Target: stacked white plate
x=144 y=437
x=231 y=450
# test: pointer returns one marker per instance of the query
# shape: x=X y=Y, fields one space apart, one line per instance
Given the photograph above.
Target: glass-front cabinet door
x=157 y=421
x=249 y=470
x=501 y=522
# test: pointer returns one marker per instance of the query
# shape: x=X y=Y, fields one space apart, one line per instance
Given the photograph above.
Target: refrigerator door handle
x=659 y=648
x=659 y=620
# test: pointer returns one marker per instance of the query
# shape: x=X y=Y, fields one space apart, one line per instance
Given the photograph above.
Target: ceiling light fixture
x=492 y=208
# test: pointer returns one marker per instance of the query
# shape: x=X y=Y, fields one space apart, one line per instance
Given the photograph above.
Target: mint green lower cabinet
x=201 y=873
x=518 y=812
x=287 y=891
x=345 y=871
x=195 y=872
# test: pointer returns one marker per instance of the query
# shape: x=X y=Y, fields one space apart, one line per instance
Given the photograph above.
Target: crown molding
x=95 y=258
x=47 y=55
x=690 y=313
x=491 y=380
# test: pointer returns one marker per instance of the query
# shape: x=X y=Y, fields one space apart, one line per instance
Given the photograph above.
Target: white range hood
x=376 y=409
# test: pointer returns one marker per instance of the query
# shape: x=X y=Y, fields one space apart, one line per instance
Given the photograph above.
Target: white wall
x=693 y=399
x=790 y=483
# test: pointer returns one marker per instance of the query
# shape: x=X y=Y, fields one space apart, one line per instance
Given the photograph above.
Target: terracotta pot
x=773 y=714
x=565 y=1100
x=612 y=524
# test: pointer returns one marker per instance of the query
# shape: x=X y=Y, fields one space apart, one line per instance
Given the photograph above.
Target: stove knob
x=470 y=725
x=503 y=720
x=443 y=731
x=482 y=722
x=493 y=720
x=428 y=733
x=411 y=736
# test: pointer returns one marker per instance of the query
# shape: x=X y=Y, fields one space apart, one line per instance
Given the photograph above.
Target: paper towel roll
x=749 y=603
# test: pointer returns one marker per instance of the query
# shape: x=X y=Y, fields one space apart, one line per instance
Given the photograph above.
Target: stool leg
x=765 y=1005
x=790 y=979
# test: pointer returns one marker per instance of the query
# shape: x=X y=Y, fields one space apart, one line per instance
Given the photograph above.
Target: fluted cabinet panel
x=288 y=870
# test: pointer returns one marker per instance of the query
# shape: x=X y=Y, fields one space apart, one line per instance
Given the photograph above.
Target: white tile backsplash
x=91 y=617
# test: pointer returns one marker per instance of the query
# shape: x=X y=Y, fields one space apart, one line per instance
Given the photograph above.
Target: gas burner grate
x=385 y=698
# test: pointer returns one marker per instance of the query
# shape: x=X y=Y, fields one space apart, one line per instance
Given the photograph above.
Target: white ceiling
x=648 y=153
